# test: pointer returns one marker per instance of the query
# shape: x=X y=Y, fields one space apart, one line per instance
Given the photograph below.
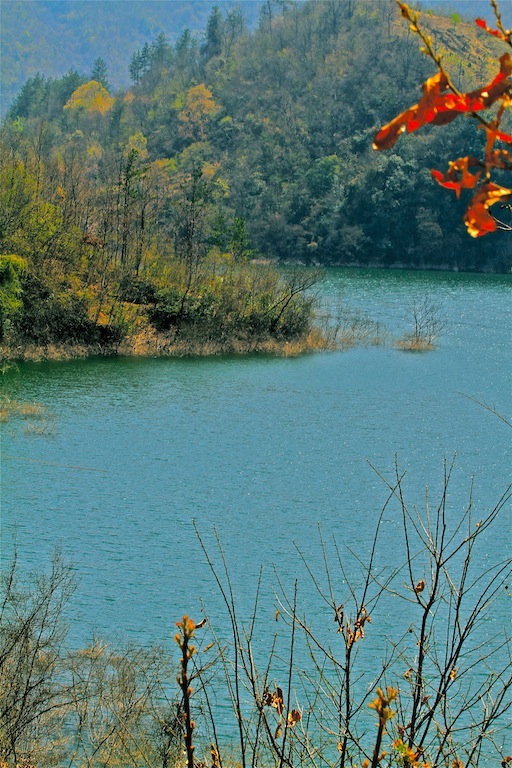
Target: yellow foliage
x=139 y=143
x=91 y=97
x=381 y=704
x=95 y=150
x=199 y=106
x=210 y=169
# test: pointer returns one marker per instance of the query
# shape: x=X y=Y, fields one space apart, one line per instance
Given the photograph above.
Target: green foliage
x=241 y=302
x=45 y=316
x=11 y=270
x=100 y=73
x=247 y=145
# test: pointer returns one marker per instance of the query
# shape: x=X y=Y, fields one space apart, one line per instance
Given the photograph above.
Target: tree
x=32 y=630
x=11 y=269
x=212 y=45
x=441 y=696
x=91 y=98
x=441 y=103
x=100 y=73
x=140 y=63
x=30 y=97
x=94 y=706
x=198 y=109
x=428 y=324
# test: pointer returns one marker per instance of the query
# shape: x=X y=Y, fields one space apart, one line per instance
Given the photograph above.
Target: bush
x=136 y=290
x=244 y=302
x=49 y=318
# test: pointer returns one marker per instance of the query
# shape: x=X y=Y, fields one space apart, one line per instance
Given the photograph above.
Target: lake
x=262 y=449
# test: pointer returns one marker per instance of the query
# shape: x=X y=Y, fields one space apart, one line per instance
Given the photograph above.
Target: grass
x=37 y=419
x=413 y=344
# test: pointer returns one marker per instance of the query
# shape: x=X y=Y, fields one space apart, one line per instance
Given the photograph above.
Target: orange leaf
x=427 y=107
x=479 y=221
x=495 y=32
x=477 y=218
x=440 y=108
x=499 y=158
x=451 y=179
x=388 y=134
x=293 y=717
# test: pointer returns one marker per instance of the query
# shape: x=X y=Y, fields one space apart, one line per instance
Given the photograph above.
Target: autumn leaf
x=427 y=107
x=440 y=108
x=415 y=116
x=495 y=32
x=458 y=176
x=499 y=158
x=274 y=699
x=388 y=135
x=293 y=717
x=477 y=218
x=279 y=701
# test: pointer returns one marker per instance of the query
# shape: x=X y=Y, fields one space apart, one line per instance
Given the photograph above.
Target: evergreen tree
x=99 y=73
x=214 y=35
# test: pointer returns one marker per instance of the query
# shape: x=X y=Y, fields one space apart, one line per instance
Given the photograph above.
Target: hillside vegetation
x=47 y=37
x=142 y=211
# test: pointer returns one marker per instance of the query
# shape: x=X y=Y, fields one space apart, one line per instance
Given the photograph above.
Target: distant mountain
x=51 y=36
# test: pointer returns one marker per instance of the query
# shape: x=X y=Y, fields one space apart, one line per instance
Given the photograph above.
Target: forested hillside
x=50 y=36
x=234 y=145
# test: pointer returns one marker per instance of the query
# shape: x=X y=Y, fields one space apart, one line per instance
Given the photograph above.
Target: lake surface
x=263 y=449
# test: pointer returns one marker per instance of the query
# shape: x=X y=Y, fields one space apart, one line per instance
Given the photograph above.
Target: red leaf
x=426 y=110
x=458 y=176
x=477 y=218
x=495 y=32
x=479 y=221
x=440 y=108
x=388 y=135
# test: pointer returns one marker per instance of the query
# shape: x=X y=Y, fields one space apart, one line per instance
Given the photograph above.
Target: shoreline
x=153 y=344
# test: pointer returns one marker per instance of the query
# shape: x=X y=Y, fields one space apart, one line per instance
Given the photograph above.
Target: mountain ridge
x=48 y=37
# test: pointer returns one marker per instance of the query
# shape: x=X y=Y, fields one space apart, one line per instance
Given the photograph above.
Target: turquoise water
x=261 y=448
